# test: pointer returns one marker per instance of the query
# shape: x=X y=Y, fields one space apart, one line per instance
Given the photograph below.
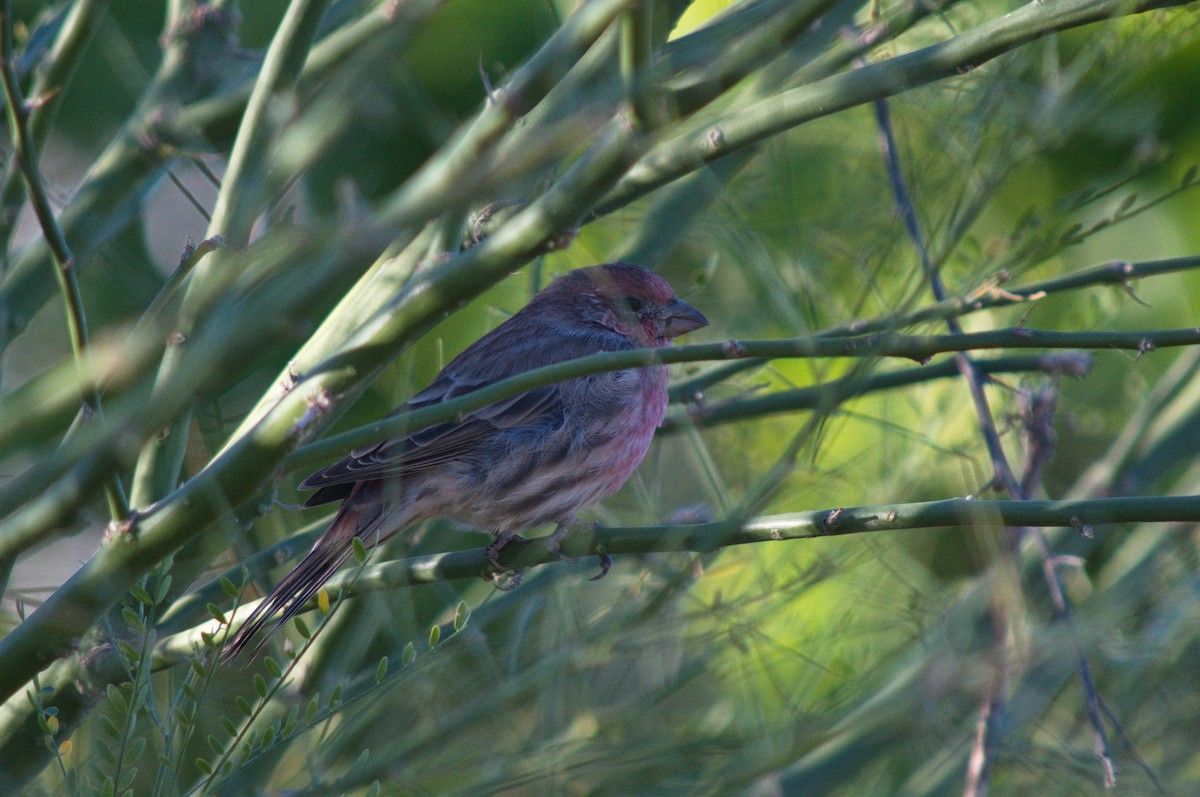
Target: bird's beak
x=682 y=318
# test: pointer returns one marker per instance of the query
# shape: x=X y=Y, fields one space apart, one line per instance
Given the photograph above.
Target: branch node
x=829 y=523
x=120 y=529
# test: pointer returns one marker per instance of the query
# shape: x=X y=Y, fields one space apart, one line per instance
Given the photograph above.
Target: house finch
x=535 y=458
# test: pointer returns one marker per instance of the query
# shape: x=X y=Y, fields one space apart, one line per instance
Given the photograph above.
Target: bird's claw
x=505 y=579
x=508 y=580
x=554 y=544
x=605 y=563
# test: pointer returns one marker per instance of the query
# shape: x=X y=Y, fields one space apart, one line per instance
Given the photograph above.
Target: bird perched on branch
x=538 y=457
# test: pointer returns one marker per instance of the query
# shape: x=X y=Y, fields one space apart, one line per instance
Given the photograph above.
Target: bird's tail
x=354 y=519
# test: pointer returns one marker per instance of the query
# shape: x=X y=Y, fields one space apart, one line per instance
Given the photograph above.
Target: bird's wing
x=420 y=450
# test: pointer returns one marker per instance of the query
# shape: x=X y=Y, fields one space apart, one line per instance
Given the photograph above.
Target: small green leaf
x=302 y=628
x=136 y=748
x=310 y=710
x=198 y=666
x=260 y=685
x=190 y=691
x=435 y=636
x=117 y=699
x=181 y=717
x=374 y=790
x=109 y=726
x=1070 y=233
x=164 y=586
x=228 y=726
x=360 y=550
x=244 y=706
x=131 y=654
x=127 y=777
x=381 y=669
x=135 y=623
x=268 y=737
x=215 y=744
x=105 y=751
x=139 y=592
x=272 y=667
x=230 y=588
x=335 y=697
x=289 y=724
x=461 y=614
x=217 y=614
x=203 y=765
x=109 y=788
x=409 y=655
x=1125 y=205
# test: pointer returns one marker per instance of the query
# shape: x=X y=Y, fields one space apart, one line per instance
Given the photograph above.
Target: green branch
x=833 y=392
x=25 y=154
x=238 y=205
x=50 y=78
x=913 y=347
x=1083 y=515
x=794 y=107
x=988 y=296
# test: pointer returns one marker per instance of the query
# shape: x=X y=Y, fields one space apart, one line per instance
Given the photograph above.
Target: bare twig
x=1003 y=477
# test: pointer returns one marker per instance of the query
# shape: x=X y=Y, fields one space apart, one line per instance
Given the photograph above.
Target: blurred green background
x=847 y=666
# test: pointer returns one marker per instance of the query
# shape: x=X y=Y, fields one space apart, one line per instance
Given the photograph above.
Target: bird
x=535 y=458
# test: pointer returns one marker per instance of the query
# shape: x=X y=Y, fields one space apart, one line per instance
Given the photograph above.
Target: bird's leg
x=504 y=578
x=560 y=534
x=554 y=542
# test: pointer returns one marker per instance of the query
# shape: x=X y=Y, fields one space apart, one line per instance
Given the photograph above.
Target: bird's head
x=627 y=299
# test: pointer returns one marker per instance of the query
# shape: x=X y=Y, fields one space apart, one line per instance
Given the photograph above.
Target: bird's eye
x=635 y=304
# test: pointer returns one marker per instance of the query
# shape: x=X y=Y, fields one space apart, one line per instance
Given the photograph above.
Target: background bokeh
x=850 y=665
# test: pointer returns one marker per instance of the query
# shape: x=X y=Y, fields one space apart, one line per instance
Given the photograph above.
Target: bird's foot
x=556 y=540
x=507 y=580
x=605 y=563
x=504 y=578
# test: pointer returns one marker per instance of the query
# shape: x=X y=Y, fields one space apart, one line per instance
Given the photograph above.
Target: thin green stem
x=238 y=204
x=50 y=78
x=965 y=513
x=816 y=396
x=25 y=154
x=796 y=106
x=913 y=347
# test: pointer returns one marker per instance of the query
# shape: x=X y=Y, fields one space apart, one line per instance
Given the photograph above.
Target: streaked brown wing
x=499 y=354
x=427 y=448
